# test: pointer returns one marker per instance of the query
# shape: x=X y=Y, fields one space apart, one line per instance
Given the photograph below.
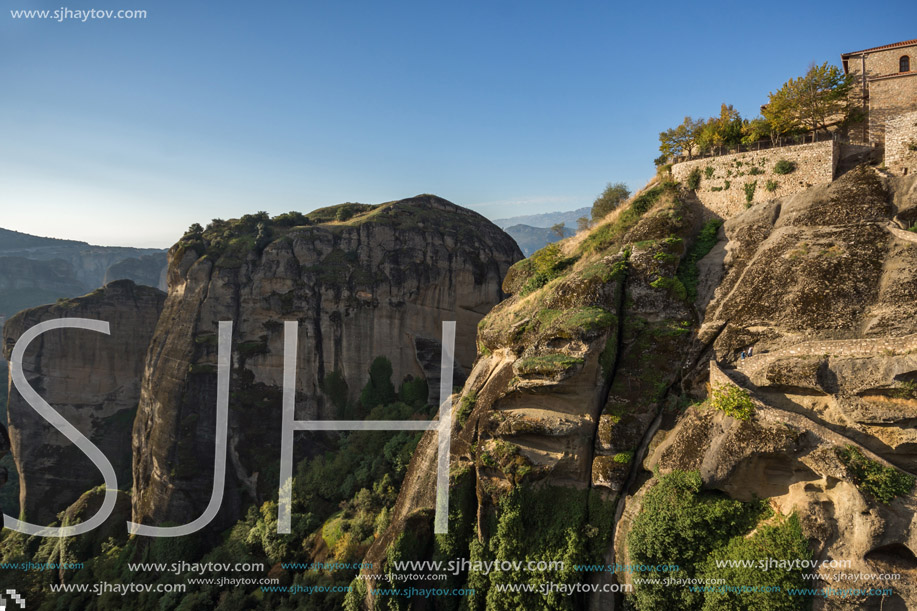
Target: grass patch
x=608 y=234
x=544 y=364
x=542 y=267
x=671 y=284
x=688 y=272
x=465 y=406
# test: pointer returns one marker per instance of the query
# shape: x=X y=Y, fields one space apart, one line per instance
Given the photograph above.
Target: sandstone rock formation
x=363 y=281
x=820 y=284
x=92 y=379
x=571 y=373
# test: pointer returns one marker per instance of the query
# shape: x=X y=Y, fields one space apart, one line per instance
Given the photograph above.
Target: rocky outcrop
x=571 y=373
x=149 y=270
x=821 y=286
x=363 y=281
x=91 y=379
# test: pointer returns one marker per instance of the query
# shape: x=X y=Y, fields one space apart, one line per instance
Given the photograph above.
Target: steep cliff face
x=574 y=419
x=363 y=281
x=92 y=379
x=572 y=371
x=821 y=286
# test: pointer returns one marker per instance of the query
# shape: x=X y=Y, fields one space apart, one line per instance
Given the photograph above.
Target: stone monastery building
x=887 y=83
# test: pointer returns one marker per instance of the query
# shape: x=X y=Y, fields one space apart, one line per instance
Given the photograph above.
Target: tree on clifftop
x=679 y=140
x=810 y=101
x=613 y=195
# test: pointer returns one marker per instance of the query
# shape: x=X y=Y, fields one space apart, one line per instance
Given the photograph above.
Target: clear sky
x=124 y=132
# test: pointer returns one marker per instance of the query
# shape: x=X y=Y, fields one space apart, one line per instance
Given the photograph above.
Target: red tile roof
x=891 y=46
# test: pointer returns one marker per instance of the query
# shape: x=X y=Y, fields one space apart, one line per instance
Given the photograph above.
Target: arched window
x=904 y=64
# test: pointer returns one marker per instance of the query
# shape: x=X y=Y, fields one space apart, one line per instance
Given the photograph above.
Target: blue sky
x=124 y=132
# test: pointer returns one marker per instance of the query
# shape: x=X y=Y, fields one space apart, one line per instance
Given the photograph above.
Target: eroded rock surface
x=91 y=379
x=362 y=281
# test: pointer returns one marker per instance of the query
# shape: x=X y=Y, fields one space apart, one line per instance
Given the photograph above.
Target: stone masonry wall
x=888 y=98
x=900 y=136
x=722 y=188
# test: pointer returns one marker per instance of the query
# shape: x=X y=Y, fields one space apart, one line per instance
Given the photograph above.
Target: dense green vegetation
x=703 y=244
x=882 y=483
x=732 y=400
x=681 y=524
x=342 y=500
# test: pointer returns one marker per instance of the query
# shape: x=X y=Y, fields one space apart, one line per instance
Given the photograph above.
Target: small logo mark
x=16 y=599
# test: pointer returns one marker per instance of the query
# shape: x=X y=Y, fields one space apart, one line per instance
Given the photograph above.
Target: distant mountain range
x=36 y=270
x=533 y=231
x=547 y=219
x=531 y=238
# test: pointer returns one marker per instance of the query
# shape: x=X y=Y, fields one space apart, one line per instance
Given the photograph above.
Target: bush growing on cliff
x=414 y=392
x=681 y=525
x=610 y=199
x=732 y=400
x=878 y=481
x=693 y=181
x=782 y=540
x=770 y=186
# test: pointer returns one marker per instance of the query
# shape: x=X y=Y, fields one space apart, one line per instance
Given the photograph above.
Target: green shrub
x=708 y=171
x=784 y=167
x=681 y=525
x=610 y=198
x=609 y=233
x=755 y=171
x=671 y=284
x=623 y=458
x=770 y=186
x=732 y=400
x=466 y=404
x=693 y=181
x=750 y=191
x=782 y=541
x=414 y=392
x=878 y=481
